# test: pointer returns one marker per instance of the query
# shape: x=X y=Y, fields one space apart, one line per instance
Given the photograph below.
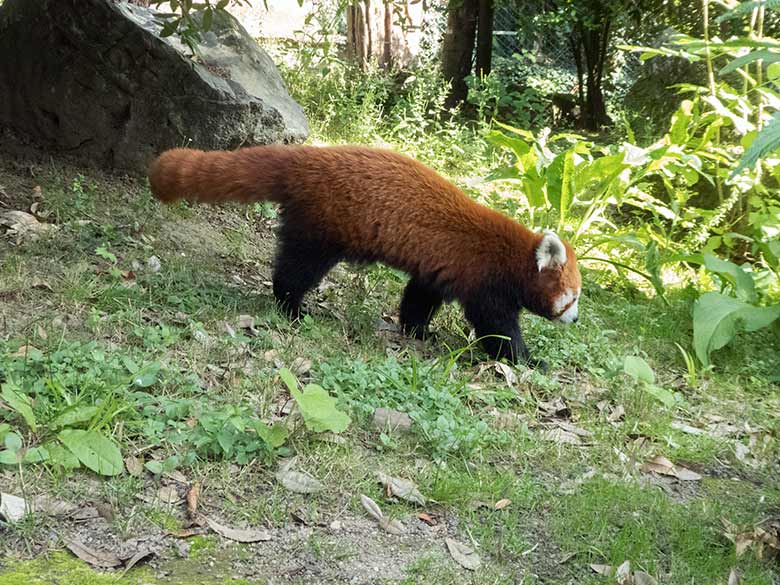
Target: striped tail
x=248 y=174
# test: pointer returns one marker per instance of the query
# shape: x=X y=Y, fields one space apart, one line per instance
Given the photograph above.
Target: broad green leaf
x=533 y=189
x=13 y=442
x=104 y=253
x=317 y=407
x=560 y=175
x=678 y=132
x=5 y=428
x=208 y=18
x=226 y=439
x=9 y=457
x=75 y=416
x=773 y=70
x=592 y=179
x=519 y=147
x=21 y=403
x=742 y=125
x=767 y=141
x=735 y=275
x=147 y=376
x=94 y=450
x=524 y=133
x=156 y=467
x=638 y=369
x=745 y=8
x=274 y=436
x=717 y=318
x=36 y=455
x=59 y=455
x=764 y=55
x=504 y=173
x=663 y=395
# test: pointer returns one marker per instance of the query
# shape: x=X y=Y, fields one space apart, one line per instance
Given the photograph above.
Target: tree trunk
x=458 y=48
x=591 y=45
x=377 y=33
x=360 y=32
x=387 y=53
x=484 y=37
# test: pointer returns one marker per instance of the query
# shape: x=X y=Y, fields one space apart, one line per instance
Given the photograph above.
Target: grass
x=101 y=318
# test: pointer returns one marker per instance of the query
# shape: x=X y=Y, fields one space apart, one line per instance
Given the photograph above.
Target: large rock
x=94 y=80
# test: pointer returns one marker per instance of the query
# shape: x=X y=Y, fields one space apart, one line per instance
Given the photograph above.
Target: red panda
x=369 y=205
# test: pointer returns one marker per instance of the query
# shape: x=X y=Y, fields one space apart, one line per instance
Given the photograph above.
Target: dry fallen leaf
x=606 y=570
x=136 y=558
x=507 y=372
x=463 y=555
x=501 y=504
x=238 y=534
x=387 y=524
x=372 y=508
x=96 y=558
x=661 y=465
x=764 y=538
x=300 y=366
x=734 y=577
x=23 y=351
x=298 y=481
x=617 y=414
x=84 y=514
x=554 y=409
x=401 y=488
x=686 y=428
x=642 y=578
x=392 y=526
x=22 y=225
x=167 y=494
x=247 y=322
x=176 y=476
x=45 y=504
x=563 y=436
x=623 y=573
x=427 y=518
x=134 y=466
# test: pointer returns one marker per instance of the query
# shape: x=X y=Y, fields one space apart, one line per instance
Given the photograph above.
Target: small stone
x=154 y=264
x=387 y=417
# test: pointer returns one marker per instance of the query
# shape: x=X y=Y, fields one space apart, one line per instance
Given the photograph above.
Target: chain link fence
x=509 y=39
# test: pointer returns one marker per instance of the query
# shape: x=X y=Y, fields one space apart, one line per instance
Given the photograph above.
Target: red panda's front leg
x=494 y=318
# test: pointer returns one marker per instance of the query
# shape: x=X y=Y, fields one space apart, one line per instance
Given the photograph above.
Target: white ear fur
x=551 y=251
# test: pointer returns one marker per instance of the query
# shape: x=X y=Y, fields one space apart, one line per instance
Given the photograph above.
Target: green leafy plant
x=317 y=407
x=91 y=447
x=437 y=401
x=642 y=374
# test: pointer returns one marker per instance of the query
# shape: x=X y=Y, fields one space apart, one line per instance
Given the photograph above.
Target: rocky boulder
x=93 y=79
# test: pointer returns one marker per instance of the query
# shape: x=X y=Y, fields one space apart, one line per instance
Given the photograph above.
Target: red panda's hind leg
x=301 y=263
x=418 y=306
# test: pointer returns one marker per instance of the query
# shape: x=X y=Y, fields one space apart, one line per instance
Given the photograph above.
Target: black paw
x=292 y=312
x=420 y=333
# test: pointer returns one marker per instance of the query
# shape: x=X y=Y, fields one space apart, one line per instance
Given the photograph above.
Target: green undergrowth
x=153 y=356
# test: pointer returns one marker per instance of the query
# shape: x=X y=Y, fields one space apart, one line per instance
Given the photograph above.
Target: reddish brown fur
x=374 y=205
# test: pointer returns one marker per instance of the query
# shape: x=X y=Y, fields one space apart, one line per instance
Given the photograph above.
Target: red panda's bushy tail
x=249 y=174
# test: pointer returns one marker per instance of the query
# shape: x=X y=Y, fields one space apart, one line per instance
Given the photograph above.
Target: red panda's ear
x=551 y=252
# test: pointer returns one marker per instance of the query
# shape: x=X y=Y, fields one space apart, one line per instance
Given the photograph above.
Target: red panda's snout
x=559 y=279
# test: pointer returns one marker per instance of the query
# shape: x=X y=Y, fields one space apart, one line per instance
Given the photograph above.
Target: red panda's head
x=555 y=290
